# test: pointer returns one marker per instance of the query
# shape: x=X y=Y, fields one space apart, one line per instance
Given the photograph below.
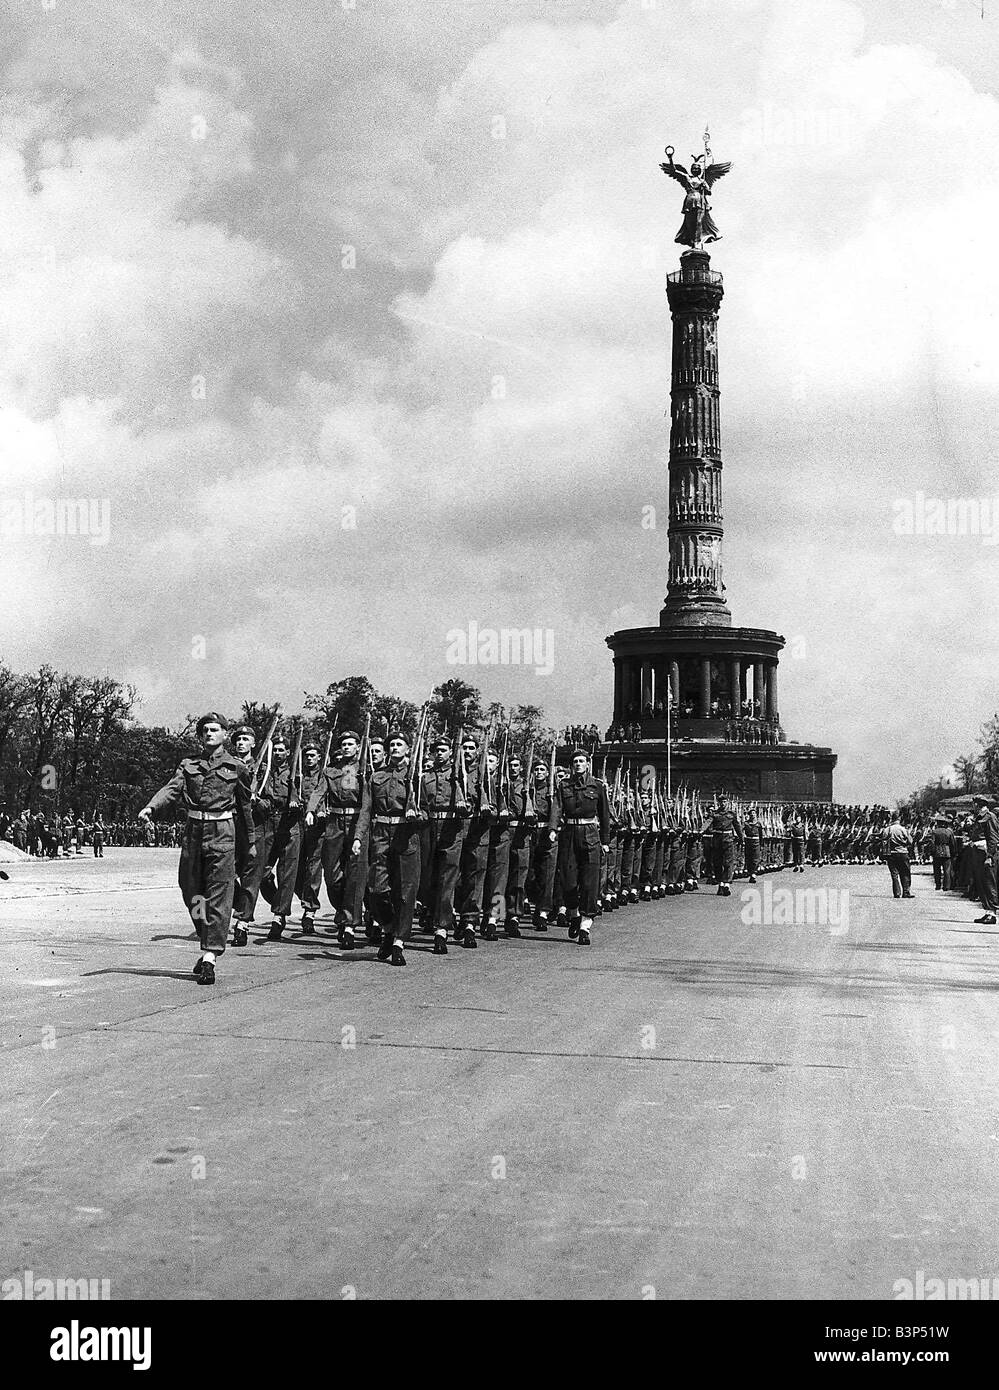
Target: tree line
x=972 y=772
x=74 y=743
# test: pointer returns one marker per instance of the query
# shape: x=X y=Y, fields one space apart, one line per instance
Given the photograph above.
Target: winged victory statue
x=698 y=224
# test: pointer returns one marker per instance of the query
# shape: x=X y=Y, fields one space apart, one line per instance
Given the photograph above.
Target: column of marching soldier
x=458 y=835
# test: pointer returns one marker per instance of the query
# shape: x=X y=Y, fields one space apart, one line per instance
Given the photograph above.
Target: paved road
x=694 y=1105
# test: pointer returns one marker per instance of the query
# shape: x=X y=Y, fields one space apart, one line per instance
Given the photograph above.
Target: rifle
x=295 y=768
x=329 y=741
x=485 y=777
x=503 y=795
x=529 y=807
x=365 y=753
x=412 y=773
x=460 y=747
x=457 y=764
x=265 y=751
x=551 y=776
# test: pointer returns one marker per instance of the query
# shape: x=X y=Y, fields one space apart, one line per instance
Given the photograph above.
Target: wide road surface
x=692 y=1105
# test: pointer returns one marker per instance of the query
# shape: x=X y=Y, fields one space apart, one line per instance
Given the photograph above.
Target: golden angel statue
x=698 y=224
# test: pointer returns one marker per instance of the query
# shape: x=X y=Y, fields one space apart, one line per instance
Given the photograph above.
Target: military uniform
x=541 y=873
x=726 y=835
x=498 y=857
x=474 y=859
x=340 y=802
x=753 y=840
x=310 y=859
x=443 y=800
x=395 y=859
x=797 y=838
x=522 y=824
x=581 y=813
x=215 y=793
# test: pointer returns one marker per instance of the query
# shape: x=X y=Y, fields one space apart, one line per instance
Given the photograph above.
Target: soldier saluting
x=214 y=790
x=580 y=820
x=723 y=825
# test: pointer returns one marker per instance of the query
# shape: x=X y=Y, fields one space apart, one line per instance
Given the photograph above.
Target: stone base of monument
x=781 y=772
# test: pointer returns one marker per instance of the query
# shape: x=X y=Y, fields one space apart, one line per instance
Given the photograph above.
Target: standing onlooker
x=943 y=848
x=898 y=846
x=984 y=837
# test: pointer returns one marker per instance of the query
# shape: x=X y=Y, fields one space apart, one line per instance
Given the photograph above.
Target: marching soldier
x=395 y=849
x=475 y=851
x=444 y=799
x=339 y=809
x=725 y=830
x=214 y=790
x=310 y=860
x=523 y=819
x=376 y=760
x=753 y=838
x=541 y=879
x=493 y=799
x=580 y=820
x=797 y=837
x=282 y=808
x=243 y=743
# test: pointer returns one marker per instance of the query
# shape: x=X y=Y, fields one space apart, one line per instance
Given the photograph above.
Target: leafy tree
x=347 y=702
x=454 y=703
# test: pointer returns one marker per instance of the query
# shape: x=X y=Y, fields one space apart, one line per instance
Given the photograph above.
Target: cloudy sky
x=355 y=315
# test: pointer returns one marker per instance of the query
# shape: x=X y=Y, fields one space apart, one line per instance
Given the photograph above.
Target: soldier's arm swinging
x=166 y=796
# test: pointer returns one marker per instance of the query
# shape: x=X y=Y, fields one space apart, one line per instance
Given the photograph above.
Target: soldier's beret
x=398 y=733
x=212 y=717
x=313 y=746
x=345 y=734
x=243 y=729
x=442 y=741
x=580 y=753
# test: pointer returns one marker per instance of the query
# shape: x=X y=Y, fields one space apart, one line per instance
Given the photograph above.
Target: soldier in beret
x=541 y=873
x=339 y=809
x=579 y=820
x=444 y=801
x=475 y=850
x=310 y=859
x=753 y=837
x=214 y=790
x=243 y=743
x=395 y=849
x=725 y=830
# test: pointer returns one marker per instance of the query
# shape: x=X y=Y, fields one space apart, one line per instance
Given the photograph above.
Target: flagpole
x=669 y=756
